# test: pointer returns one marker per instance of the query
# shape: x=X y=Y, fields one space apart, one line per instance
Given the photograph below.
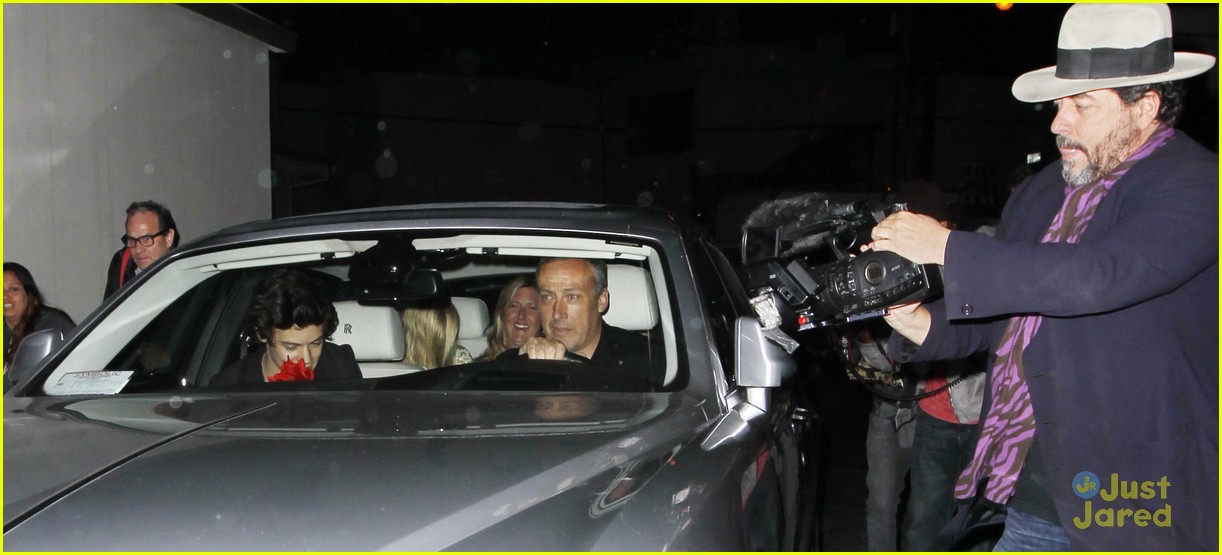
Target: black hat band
x=1105 y=63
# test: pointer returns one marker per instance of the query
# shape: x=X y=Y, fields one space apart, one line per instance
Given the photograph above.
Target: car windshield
x=435 y=310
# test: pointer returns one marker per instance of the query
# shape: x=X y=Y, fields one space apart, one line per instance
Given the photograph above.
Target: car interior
x=185 y=323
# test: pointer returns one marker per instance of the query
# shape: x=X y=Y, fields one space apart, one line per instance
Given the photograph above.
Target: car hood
x=371 y=470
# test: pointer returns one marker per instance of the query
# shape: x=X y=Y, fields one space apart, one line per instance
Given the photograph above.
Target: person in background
x=431 y=334
x=293 y=320
x=922 y=425
x=517 y=317
x=25 y=310
x=889 y=432
x=149 y=233
x=949 y=394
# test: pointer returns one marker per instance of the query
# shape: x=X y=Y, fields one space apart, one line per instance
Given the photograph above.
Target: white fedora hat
x=1104 y=46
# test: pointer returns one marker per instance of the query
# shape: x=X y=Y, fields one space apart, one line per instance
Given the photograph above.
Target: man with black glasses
x=150 y=234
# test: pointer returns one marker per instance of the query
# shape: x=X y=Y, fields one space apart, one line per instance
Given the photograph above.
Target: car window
x=719 y=308
x=161 y=355
x=202 y=332
x=725 y=298
x=731 y=279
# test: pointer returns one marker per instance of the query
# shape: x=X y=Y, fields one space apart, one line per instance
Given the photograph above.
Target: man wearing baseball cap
x=1099 y=300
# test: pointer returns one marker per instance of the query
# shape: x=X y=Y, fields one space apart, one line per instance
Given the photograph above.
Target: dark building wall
x=645 y=137
x=706 y=133
x=397 y=139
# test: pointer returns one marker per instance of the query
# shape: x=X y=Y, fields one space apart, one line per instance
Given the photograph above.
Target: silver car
x=115 y=437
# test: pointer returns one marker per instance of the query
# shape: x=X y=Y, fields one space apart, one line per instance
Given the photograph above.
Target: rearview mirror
x=33 y=349
x=416 y=285
x=392 y=273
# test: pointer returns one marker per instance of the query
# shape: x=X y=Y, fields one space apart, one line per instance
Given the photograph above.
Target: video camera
x=780 y=246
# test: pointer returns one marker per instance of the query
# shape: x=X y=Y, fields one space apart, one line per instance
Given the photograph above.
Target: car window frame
x=723 y=301
x=180 y=274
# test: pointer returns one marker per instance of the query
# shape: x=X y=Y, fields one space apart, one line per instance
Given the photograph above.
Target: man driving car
x=573 y=297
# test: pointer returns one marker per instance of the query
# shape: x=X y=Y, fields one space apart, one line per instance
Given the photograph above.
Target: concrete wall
x=107 y=104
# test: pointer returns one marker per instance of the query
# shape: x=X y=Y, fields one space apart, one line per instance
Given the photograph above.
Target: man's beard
x=1110 y=152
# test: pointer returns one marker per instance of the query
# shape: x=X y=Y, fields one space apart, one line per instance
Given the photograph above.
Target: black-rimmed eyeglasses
x=144 y=240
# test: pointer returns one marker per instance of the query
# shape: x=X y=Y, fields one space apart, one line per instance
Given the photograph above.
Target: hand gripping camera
x=785 y=246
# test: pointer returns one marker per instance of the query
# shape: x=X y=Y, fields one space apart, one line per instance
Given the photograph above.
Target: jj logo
x=1086 y=484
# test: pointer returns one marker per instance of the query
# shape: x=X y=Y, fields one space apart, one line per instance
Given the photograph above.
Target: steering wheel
x=568 y=356
x=574 y=357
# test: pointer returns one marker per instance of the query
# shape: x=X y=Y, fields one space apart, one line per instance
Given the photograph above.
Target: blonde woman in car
x=517 y=317
x=432 y=337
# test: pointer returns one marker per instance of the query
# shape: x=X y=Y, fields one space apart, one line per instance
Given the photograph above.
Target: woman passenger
x=431 y=334
x=517 y=317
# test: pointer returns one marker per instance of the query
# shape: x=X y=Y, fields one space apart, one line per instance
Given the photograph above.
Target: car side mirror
x=758 y=361
x=759 y=364
x=33 y=349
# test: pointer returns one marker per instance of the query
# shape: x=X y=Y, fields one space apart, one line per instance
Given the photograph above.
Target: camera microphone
x=802 y=223
x=795 y=226
x=787 y=211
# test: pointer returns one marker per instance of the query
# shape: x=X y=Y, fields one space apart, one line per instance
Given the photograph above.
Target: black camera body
x=845 y=290
x=779 y=262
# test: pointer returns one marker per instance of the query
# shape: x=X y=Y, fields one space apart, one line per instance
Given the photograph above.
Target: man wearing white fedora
x=1099 y=300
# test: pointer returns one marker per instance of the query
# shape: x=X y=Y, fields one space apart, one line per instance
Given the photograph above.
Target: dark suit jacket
x=337 y=362
x=112 y=273
x=631 y=352
x=1123 y=372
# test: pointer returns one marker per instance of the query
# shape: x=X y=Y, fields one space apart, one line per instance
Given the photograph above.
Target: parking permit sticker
x=101 y=382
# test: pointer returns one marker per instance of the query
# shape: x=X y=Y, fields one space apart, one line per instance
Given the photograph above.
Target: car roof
x=552 y=216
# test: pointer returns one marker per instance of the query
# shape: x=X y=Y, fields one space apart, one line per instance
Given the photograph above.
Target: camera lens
x=875 y=271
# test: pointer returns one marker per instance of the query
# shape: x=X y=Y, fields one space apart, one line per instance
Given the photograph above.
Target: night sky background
x=549 y=41
x=349 y=50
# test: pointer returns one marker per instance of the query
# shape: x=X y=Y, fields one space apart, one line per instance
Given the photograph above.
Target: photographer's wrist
x=913 y=325
x=940 y=249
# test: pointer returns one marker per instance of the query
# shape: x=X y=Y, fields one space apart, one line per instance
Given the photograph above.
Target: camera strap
x=909 y=394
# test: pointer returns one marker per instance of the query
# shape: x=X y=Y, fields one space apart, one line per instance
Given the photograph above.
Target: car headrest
x=472 y=324
x=472 y=317
x=374 y=332
x=633 y=303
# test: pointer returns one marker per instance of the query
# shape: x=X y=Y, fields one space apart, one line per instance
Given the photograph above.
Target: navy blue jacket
x=1123 y=372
